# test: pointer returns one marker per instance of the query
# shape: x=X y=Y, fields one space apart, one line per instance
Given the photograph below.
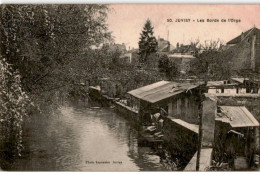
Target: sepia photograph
x=129 y=87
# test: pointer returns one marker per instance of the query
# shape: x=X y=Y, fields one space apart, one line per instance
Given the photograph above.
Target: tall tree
x=147 y=43
x=50 y=45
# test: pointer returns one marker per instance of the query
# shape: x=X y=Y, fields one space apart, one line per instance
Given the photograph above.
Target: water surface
x=84 y=139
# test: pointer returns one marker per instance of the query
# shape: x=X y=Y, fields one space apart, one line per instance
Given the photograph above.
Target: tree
x=212 y=65
x=169 y=68
x=50 y=45
x=147 y=43
x=44 y=50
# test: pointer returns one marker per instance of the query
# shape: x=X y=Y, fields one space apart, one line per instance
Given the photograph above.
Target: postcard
x=129 y=87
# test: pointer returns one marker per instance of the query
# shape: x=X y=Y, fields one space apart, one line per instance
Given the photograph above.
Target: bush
x=14 y=105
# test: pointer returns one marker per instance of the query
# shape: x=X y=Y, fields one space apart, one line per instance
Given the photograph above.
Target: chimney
x=242 y=36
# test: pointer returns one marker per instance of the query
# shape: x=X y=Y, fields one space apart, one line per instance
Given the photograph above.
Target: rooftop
x=161 y=90
x=180 y=56
x=240 y=80
x=220 y=83
x=239 y=38
x=236 y=116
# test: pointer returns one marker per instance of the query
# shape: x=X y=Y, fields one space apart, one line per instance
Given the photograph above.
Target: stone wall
x=128 y=112
x=182 y=140
x=209 y=110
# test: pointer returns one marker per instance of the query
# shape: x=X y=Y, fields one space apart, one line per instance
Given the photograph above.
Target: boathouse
x=179 y=99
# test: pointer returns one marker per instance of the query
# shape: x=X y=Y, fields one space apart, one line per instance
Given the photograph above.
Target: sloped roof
x=139 y=92
x=236 y=116
x=238 y=38
x=240 y=80
x=180 y=56
x=161 y=90
x=164 y=48
x=219 y=83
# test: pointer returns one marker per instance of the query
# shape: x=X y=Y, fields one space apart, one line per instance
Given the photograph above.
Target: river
x=84 y=139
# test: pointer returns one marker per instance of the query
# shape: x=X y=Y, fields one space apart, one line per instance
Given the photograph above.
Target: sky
x=127 y=20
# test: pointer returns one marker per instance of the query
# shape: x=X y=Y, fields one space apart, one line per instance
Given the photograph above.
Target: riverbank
x=180 y=136
x=65 y=141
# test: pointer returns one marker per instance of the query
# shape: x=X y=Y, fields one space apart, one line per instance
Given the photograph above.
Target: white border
x=130 y=1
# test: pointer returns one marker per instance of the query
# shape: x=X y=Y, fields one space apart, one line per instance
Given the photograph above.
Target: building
x=178 y=104
x=190 y=49
x=116 y=47
x=229 y=131
x=130 y=57
x=126 y=58
x=233 y=86
x=164 y=46
x=229 y=122
x=235 y=130
x=180 y=100
x=246 y=50
x=183 y=56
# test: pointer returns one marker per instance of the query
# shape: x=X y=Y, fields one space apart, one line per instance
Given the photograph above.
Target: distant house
x=164 y=46
x=233 y=86
x=117 y=47
x=246 y=48
x=131 y=56
x=185 y=49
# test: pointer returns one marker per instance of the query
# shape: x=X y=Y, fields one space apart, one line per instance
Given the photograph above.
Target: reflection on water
x=78 y=137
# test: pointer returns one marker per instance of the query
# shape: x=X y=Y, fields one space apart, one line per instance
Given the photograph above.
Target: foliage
x=51 y=45
x=147 y=43
x=48 y=50
x=163 y=63
x=14 y=103
x=168 y=67
x=212 y=65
